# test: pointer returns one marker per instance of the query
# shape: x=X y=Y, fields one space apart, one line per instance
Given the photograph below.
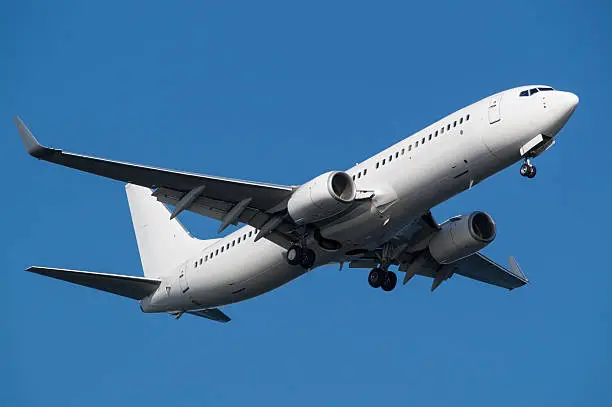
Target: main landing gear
x=382 y=278
x=527 y=169
x=303 y=256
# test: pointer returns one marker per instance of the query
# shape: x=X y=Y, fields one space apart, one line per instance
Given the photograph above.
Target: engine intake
x=322 y=197
x=462 y=236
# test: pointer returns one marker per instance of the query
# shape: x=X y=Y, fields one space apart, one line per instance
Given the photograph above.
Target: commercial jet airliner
x=375 y=215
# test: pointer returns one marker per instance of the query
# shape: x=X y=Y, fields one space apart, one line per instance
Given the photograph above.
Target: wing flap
x=125 y=286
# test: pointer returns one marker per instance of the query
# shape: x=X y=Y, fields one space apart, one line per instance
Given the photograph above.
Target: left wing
x=480 y=267
x=225 y=199
x=409 y=250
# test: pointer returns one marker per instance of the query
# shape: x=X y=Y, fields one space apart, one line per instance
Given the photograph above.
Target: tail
x=163 y=243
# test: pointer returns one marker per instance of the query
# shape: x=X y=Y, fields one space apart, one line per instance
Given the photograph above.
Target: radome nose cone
x=570 y=101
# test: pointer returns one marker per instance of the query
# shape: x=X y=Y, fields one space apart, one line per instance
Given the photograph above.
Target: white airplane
x=373 y=215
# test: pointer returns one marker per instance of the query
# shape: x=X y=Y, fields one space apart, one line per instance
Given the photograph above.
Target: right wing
x=204 y=194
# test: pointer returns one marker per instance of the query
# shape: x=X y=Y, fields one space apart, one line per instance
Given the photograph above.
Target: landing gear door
x=494 y=115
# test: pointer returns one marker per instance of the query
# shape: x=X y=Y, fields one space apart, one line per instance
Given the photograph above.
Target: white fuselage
x=407 y=179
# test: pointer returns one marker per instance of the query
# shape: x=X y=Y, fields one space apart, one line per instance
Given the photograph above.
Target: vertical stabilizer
x=163 y=243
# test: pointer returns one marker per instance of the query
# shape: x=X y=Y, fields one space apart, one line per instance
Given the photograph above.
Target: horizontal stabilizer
x=126 y=286
x=214 y=314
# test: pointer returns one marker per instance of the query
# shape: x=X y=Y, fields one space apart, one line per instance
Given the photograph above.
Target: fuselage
x=410 y=177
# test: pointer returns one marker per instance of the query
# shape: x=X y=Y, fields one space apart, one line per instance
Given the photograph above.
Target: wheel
x=525 y=170
x=376 y=277
x=390 y=281
x=294 y=255
x=308 y=258
x=532 y=172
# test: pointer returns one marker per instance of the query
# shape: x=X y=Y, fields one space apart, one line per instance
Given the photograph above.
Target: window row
x=416 y=145
x=225 y=247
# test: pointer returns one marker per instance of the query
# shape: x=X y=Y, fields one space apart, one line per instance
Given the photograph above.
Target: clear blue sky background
x=274 y=92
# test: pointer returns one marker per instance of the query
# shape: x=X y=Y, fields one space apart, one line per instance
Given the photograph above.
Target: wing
x=409 y=250
x=480 y=267
x=125 y=286
x=229 y=200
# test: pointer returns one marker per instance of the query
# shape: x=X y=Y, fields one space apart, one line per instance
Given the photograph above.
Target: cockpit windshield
x=533 y=91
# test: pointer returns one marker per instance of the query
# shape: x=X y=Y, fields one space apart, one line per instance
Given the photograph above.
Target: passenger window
x=448 y=127
x=396 y=154
x=206 y=258
x=384 y=159
x=217 y=252
x=359 y=174
x=402 y=151
x=196 y=264
x=410 y=147
x=467 y=117
x=201 y=260
x=227 y=247
x=390 y=157
x=416 y=144
x=423 y=141
x=238 y=239
x=442 y=130
x=429 y=137
x=222 y=247
x=455 y=123
x=461 y=120
x=233 y=243
x=365 y=172
x=436 y=133
x=377 y=165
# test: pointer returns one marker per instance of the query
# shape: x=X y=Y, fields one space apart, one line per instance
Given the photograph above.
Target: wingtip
x=516 y=269
x=32 y=146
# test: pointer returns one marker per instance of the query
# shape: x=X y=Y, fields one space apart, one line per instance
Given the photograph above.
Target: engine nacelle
x=462 y=236
x=322 y=197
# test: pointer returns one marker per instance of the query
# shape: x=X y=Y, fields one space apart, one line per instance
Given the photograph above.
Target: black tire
x=390 y=281
x=376 y=277
x=525 y=170
x=294 y=255
x=532 y=172
x=308 y=258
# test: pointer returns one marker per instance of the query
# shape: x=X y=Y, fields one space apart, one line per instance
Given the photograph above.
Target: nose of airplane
x=568 y=101
x=563 y=105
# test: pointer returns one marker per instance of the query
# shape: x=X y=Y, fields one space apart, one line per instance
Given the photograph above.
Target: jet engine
x=322 y=197
x=462 y=236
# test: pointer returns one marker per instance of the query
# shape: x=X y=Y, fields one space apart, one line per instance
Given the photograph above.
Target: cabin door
x=183 y=278
x=494 y=115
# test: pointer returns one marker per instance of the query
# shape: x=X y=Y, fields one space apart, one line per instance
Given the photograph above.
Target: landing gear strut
x=527 y=169
x=303 y=256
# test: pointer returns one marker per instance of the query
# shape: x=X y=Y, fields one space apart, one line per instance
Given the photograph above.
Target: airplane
x=375 y=215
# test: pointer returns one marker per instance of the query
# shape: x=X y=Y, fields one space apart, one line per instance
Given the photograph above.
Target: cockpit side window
x=524 y=93
x=533 y=91
x=544 y=89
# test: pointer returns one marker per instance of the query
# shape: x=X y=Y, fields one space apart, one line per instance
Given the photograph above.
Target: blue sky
x=278 y=92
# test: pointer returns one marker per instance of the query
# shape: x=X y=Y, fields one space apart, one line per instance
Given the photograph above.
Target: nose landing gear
x=527 y=169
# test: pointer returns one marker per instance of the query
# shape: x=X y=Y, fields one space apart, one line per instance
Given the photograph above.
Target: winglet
x=33 y=147
x=516 y=269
